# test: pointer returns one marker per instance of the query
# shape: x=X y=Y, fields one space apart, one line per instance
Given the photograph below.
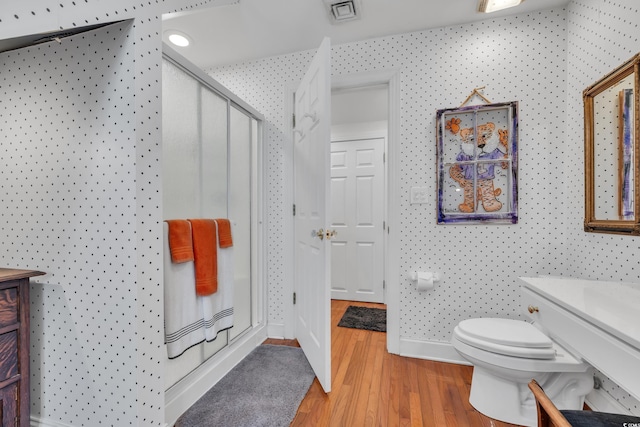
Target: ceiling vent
x=343 y=11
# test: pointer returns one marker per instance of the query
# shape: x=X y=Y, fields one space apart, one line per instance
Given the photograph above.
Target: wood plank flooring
x=371 y=387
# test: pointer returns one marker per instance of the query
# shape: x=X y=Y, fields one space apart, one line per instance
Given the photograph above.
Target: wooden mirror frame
x=591 y=223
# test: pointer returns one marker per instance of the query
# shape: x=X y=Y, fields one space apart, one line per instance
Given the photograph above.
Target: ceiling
x=233 y=31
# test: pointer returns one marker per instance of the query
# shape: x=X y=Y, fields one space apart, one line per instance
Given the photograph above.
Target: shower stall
x=210 y=166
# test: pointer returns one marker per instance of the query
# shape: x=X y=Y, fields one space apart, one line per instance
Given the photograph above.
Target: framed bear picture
x=477 y=156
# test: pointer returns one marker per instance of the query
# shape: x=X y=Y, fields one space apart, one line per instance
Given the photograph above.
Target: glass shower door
x=207 y=173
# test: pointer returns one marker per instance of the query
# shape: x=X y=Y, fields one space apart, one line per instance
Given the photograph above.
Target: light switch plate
x=419 y=195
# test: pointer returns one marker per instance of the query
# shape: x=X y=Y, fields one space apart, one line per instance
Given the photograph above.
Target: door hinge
x=384 y=225
x=294 y=298
x=388 y=228
x=384 y=284
x=384 y=157
x=294 y=120
x=294 y=209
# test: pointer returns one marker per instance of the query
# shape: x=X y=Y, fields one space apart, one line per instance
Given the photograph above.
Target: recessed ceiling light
x=488 y=6
x=178 y=38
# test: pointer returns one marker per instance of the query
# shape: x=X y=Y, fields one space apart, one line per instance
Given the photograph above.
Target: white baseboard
x=601 y=401
x=275 y=330
x=187 y=391
x=431 y=350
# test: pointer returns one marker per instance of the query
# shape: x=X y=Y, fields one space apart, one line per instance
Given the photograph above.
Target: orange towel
x=180 y=243
x=206 y=255
x=224 y=233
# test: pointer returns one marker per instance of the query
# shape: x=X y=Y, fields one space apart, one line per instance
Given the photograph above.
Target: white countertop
x=612 y=306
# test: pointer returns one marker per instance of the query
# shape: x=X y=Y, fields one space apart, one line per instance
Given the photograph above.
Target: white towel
x=217 y=308
x=183 y=317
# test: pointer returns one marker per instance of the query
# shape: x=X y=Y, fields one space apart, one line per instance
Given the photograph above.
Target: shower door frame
x=190 y=388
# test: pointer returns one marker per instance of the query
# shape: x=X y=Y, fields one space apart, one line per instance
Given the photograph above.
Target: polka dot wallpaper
x=70 y=216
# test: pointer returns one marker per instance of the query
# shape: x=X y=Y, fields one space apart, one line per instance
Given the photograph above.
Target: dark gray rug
x=371 y=319
x=263 y=390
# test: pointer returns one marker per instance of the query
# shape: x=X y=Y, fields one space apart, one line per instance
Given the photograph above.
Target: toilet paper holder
x=413 y=276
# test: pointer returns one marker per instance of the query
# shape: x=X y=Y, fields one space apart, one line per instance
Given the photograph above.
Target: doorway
x=359 y=135
x=390 y=79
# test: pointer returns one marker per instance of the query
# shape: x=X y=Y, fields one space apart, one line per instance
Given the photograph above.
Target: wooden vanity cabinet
x=14 y=346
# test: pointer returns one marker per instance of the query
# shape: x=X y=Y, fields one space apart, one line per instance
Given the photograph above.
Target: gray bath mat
x=264 y=390
x=372 y=319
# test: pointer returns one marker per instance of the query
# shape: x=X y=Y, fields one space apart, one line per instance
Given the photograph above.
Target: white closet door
x=357 y=200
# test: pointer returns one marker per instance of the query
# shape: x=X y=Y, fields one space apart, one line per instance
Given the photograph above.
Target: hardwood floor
x=371 y=387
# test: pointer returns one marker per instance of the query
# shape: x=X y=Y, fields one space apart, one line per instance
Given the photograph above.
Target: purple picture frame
x=477 y=164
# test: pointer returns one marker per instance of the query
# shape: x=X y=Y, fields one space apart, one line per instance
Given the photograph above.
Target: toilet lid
x=506 y=332
x=506 y=336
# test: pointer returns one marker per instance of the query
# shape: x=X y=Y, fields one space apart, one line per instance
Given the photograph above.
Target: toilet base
x=511 y=400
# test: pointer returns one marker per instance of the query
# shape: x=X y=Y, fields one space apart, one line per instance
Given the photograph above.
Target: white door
x=357 y=215
x=312 y=203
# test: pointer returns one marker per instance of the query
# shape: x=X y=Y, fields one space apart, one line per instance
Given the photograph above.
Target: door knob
x=319 y=234
x=331 y=233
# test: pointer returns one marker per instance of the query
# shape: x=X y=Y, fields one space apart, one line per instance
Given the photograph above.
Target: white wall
x=601 y=36
x=359 y=130
x=363 y=104
x=81 y=197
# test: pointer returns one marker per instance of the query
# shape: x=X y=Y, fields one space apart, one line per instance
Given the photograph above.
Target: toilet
x=506 y=354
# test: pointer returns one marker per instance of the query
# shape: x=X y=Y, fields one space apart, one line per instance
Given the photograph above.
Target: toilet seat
x=506 y=337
